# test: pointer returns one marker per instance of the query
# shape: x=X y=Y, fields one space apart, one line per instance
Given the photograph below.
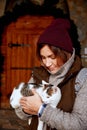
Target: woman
x=60 y=66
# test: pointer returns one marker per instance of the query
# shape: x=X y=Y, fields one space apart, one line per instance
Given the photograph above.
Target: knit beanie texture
x=57 y=34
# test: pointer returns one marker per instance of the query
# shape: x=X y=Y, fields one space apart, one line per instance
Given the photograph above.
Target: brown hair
x=57 y=51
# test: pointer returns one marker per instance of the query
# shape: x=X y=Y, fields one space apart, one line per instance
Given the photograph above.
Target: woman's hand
x=31 y=104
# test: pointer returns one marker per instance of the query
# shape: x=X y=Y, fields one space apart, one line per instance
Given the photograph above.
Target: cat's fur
x=48 y=93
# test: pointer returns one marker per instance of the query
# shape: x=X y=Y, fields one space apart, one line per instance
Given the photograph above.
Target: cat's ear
x=44 y=82
x=21 y=85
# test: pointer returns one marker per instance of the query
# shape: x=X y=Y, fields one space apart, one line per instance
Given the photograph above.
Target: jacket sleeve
x=21 y=114
x=76 y=120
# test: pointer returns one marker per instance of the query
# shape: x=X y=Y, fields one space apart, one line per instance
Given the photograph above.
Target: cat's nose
x=56 y=89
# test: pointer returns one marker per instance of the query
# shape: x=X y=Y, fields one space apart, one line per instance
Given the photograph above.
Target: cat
x=49 y=94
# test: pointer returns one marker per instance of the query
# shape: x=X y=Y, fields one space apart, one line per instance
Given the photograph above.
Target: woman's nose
x=48 y=62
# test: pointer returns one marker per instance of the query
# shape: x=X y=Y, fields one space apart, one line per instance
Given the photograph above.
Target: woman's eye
x=50 y=56
x=53 y=57
x=43 y=58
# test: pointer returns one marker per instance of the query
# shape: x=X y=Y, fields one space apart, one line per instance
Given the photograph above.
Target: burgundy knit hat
x=57 y=35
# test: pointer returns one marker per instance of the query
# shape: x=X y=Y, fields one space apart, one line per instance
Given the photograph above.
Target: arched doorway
x=19 y=49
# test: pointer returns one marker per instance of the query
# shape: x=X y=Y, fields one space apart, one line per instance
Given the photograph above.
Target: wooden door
x=19 y=50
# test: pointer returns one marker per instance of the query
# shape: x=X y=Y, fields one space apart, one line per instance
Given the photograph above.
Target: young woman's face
x=49 y=60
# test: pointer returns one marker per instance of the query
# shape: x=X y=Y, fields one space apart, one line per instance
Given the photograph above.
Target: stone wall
x=2 y=7
x=78 y=13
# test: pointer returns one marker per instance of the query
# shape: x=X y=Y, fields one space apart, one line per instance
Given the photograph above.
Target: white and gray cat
x=49 y=94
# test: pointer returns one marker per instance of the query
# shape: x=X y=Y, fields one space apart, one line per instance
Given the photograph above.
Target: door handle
x=18 y=45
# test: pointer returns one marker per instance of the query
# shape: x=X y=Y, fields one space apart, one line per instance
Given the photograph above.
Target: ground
x=9 y=120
